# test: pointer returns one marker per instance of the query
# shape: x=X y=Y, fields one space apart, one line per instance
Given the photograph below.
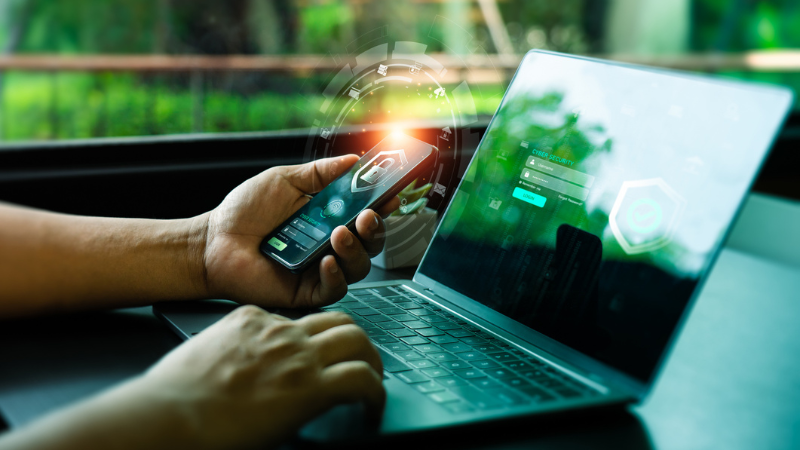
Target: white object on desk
x=407 y=238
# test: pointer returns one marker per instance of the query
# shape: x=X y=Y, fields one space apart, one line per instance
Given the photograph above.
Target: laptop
x=571 y=251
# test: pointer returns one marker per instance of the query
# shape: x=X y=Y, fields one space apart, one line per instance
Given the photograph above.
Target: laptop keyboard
x=447 y=359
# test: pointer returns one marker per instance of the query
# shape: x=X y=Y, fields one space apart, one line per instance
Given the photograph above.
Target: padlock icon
x=377 y=171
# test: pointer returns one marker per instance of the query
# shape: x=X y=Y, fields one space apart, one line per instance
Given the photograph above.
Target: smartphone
x=378 y=176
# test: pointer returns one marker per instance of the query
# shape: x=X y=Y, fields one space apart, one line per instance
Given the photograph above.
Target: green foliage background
x=84 y=105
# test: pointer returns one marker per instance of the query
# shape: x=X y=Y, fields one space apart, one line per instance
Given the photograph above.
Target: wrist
x=195 y=258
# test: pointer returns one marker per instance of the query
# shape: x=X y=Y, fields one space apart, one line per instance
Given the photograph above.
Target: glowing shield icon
x=379 y=169
x=645 y=215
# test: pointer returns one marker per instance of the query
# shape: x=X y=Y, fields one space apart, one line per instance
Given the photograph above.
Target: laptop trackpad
x=341 y=422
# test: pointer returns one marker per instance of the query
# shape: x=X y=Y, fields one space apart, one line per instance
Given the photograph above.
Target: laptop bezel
x=593 y=368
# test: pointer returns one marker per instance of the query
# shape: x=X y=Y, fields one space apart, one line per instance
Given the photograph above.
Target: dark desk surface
x=732 y=381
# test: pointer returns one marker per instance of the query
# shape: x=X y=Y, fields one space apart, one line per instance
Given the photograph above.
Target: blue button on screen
x=530 y=197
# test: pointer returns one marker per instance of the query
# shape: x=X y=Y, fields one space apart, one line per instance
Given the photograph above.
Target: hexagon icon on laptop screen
x=645 y=215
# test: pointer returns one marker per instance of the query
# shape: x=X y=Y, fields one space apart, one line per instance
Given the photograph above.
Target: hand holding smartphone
x=378 y=176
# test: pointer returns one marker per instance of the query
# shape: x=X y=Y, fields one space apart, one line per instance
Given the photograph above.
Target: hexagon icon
x=379 y=169
x=645 y=215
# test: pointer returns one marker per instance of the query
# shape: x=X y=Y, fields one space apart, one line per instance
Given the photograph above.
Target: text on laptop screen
x=597 y=199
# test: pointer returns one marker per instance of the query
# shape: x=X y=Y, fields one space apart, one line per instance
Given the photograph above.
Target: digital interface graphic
x=380 y=75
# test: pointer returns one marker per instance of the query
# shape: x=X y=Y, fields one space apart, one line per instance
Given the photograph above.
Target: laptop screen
x=598 y=198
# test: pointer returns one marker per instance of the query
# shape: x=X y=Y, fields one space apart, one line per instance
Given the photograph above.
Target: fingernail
x=374 y=223
x=348 y=239
x=334 y=268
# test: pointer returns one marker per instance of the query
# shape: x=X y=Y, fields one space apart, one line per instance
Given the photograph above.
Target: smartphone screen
x=379 y=175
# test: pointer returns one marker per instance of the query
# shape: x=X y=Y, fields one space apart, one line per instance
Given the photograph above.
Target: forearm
x=130 y=416
x=54 y=262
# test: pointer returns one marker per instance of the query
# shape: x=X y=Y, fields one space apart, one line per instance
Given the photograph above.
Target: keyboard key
x=469 y=373
x=534 y=361
x=427 y=348
x=404 y=317
x=450 y=382
x=535 y=375
x=448 y=326
x=384 y=339
x=375 y=332
x=427 y=332
x=443 y=356
x=379 y=318
x=396 y=347
x=470 y=356
x=458 y=407
x=407 y=305
x=365 y=311
x=485 y=364
x=443 y=397
x=401 y=333
x=518 y=365
x=458 y=347
x=436 y=372
x=539 y=395
x=433 y=319
x=443 y=339
x=422 y=363
x=473 y=341
x=395 y=298
x=414 y=324
x=455 y=364
x=503 y=356
x=381 y=306
x=428 y=386
x=392 y=364
x=486 y=348
x=411 y=377
x=516 y=382
x=459 y=333
x=500 y=373
x=361 y=293
x=371 y=300
x=349 y=302
x=392 y=311
x=390 y=325
x=476 y=397
x=385 y=291
x=410 y=355
x=508 y=396
x=414 y=340
x=421 y=312
x=484 y=383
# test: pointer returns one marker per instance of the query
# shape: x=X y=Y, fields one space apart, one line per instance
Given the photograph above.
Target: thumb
x=314 y=176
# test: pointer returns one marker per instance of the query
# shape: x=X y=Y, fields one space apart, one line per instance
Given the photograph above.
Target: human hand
x=255 y=378
x=234 y=267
